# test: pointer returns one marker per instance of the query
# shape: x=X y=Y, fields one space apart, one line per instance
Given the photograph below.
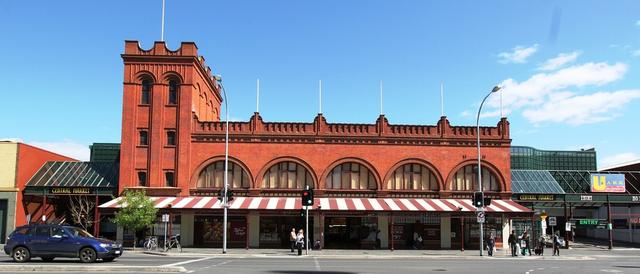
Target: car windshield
x=79 y=232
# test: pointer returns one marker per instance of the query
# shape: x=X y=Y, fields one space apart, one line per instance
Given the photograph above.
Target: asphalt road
x=622 y=262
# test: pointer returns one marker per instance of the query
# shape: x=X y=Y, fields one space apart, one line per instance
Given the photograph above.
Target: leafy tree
x=136 y=212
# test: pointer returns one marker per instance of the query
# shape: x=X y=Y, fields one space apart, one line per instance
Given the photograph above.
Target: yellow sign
x=543 y=216
x=76 y=190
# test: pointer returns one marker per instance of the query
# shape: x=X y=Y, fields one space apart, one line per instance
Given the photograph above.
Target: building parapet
x=443 y=130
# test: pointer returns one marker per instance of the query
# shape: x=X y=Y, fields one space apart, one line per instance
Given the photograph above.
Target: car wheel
x=108 y=260
x=21 y=255
x=87 y=255
x=48 y=259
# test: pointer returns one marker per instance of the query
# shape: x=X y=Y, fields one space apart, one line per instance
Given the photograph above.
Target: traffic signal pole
x=306 y=231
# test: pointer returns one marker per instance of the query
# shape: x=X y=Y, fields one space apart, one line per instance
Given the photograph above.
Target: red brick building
x=372 y=181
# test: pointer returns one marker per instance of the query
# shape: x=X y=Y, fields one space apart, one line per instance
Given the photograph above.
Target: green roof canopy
x=76 y=174
x=534 y=181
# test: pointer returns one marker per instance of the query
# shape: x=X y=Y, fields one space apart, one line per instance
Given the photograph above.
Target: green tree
x=136 y=212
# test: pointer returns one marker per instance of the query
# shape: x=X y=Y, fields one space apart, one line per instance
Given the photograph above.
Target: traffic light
x=478 y=199
x=220 y=195
x=229 y=195
x=307 y=197
x=487 y=201
x=302 y=211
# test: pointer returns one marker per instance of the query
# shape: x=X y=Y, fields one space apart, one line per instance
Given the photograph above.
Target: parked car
x=51 y=241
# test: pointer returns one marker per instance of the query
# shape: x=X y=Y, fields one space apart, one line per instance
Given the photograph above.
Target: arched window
x=413 y=177
x=466 y=179
x=287 y=175
x=173 y=92
x=145 y=95
x=351 y=176
x=212 y=176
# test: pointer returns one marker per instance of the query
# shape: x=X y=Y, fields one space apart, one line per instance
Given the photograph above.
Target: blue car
x=51 y=241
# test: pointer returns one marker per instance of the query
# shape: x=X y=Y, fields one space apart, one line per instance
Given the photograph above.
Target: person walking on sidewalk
x=526 y=243
x=556 y=244
x=292 y=239
x=491 y=242
x=300 y=241
x=512 y=243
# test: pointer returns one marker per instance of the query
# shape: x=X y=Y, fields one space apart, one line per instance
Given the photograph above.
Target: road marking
x=187 y=262
x=315 y=260
x=223 y=263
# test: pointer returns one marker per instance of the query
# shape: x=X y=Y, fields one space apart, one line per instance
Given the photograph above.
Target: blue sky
x=569 y=68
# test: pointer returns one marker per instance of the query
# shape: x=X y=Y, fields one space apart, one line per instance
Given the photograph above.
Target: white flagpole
x=381 y=109
x=258 y=95
x=441 y=99
x=501 y=113
x=319 y=96
x=162 y=31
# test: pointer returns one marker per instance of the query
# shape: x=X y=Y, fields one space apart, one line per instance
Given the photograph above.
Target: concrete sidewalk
x=577 y=254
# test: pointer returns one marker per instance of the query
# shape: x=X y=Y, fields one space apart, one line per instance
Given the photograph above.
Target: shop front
x=208 y=231
x=336 y=223
x=70 y=192
x=275 y=228
x=351 y=232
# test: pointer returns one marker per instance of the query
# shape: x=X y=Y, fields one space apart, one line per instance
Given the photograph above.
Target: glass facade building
x=523 y=157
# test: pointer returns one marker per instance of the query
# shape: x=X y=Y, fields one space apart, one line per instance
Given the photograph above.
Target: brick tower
x=165 y=91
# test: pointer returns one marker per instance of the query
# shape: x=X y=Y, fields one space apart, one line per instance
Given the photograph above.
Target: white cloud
x=518 y=55
x=465 y=113
x=566 y=107
x=617 y=159
x=11 y=139
x=559 y=61
x=556 y=97
x=636 y=53
x=66 y=147
x=535 y=90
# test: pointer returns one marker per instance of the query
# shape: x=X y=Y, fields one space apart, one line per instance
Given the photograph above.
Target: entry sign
x=552 y=221
x=480 y=216
x=165 y=218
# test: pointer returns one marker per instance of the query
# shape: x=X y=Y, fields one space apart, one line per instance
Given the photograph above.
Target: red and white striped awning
x=331 y=204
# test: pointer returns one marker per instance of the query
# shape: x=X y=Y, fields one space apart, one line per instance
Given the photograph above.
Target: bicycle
x=174 y=241
x=151 y=243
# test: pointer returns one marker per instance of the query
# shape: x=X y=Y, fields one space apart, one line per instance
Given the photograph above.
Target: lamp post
x=481 y=209
x=225 y=200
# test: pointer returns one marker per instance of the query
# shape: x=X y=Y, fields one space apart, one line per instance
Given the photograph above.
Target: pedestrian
x=292 y=239
x=417 y=241
x=300 y=241
x=491 y=243
x=526 y=244
x=541 y=244
x=512 y=243
x=556 y=244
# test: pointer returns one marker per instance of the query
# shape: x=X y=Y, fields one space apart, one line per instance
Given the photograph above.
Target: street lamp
x=225 y=200
x=481 y=209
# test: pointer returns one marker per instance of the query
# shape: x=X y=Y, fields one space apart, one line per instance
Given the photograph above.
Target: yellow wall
x=8 y=157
